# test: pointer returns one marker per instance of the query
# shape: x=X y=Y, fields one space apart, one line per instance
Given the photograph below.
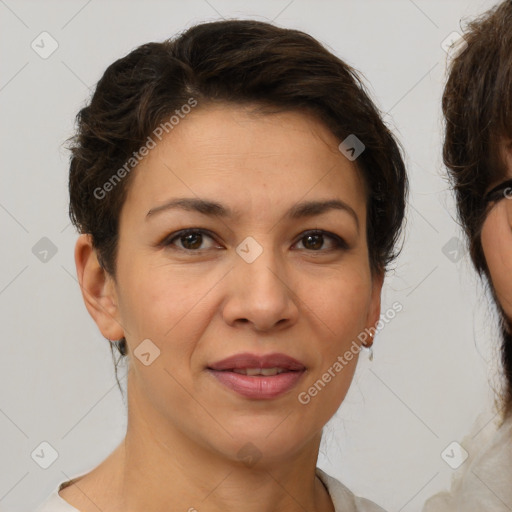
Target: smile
x=259 y=377
x=259 y=371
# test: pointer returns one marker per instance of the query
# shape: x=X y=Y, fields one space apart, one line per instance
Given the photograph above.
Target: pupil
x=318 y=245
x=192 y=236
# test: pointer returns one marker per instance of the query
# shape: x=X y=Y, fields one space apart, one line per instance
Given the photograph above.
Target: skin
x=497 y=242
x=307 y=300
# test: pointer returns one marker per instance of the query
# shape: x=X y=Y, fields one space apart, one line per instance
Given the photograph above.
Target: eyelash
x=339 y=243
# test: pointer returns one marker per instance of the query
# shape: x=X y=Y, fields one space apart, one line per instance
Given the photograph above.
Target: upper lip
x=247 y=360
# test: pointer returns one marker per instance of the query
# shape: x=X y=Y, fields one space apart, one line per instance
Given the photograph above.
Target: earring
x=369 y=348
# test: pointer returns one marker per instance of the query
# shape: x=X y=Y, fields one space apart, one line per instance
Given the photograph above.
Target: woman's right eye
x=190 y=240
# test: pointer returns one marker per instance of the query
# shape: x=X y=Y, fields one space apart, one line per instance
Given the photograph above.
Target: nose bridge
x=260 y=264
x=259 y=292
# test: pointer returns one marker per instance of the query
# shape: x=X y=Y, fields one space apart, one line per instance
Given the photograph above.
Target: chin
x=266 y=442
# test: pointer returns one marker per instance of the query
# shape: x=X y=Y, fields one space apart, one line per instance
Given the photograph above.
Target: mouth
x=252 y=372
x=246 y=361
x=258 y=377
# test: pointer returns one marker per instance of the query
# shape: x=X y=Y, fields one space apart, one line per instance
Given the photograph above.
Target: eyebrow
x=213 y=208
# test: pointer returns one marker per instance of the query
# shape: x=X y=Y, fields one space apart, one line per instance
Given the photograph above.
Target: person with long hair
x=477 y=106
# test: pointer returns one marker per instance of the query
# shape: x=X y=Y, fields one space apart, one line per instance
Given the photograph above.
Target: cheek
x=340 y=312
x=342 y=303
x=497 y=246
x=161 y=304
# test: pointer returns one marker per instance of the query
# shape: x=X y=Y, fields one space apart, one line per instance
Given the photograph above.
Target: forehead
x=249 y=159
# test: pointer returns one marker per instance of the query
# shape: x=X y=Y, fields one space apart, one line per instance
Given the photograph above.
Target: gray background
x=435 y=363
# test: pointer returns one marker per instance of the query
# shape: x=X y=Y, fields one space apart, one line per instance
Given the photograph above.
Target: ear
x=98 y=289
x=375 y=301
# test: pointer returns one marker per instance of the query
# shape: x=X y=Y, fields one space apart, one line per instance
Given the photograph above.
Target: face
x=497 y=237
x=259 y=277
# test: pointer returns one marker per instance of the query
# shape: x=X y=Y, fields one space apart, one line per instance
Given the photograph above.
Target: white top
x=342 y=499
x=484 y=481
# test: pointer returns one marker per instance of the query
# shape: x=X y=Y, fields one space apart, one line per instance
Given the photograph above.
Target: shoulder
x=483 y=481
x=343 y=499
x=54 y=503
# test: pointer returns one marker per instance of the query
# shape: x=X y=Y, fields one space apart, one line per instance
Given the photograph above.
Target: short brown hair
x=477 y=105
x=240 y=62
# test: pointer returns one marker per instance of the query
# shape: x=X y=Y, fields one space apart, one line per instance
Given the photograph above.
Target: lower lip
x=259 y=387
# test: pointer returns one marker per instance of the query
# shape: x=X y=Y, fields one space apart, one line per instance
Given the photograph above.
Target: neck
x=156 y=476
x=158 y=467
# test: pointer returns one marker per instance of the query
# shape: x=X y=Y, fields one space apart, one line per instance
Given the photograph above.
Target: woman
x=477 y=104
x=238 y=198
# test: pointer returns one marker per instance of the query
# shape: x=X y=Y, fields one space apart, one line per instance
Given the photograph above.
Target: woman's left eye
x=191 y=240
x=315 y=238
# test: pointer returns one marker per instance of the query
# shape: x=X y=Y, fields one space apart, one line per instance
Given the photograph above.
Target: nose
x=261 y=293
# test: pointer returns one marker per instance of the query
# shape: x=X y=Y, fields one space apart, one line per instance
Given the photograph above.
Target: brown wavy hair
x=477 y=106
x=238 y=62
